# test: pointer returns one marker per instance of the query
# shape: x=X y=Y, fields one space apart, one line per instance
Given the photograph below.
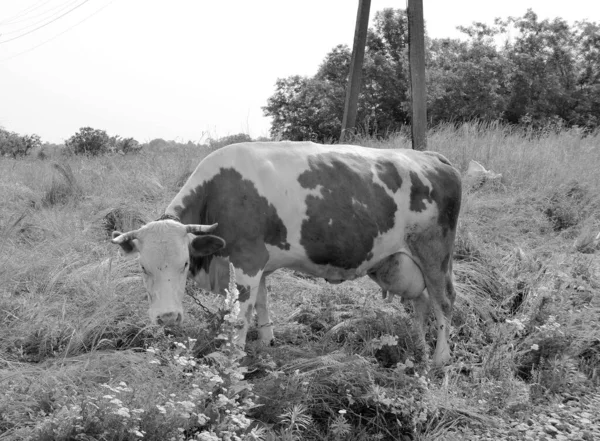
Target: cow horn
x=119 y=238
x=196 y=229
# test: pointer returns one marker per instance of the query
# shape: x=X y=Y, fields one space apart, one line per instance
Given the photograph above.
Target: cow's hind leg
x=434 y=253
x=442 y=295
x=421 y=306
x=265 y=326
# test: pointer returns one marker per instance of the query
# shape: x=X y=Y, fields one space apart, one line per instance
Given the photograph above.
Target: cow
x=338 y=212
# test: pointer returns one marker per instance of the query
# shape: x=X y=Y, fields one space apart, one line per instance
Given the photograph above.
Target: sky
x=188 y=69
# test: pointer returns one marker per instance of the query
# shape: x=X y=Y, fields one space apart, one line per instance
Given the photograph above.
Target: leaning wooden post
x=416 y=58
x=355 y=76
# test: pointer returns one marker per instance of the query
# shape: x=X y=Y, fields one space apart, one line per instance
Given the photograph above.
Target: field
x=78 y=360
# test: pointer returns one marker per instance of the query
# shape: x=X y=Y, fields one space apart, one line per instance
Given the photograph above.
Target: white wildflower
x=187 y=405
x=202 y=419
x=122 y=411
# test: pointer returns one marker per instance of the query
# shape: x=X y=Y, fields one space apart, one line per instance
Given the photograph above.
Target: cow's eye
x=144 y=270
x=185 y=266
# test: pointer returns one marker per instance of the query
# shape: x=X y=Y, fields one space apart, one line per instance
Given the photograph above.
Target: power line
x=46 y=24
x=59 y=34
x=29 y=8
x=53 y=13
x=27 y=18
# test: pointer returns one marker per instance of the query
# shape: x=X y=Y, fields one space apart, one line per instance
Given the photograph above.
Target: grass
x=346 y=365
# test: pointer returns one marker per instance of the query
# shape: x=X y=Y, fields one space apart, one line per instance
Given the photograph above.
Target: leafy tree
x=467 y=79
x=93 y=142
x=312 y=108
x=544 y=75
x=16 y=145
x=89 y=141
x=518 y=70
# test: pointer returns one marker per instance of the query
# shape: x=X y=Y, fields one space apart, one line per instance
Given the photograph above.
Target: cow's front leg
x=265 y=326
x=248 y=287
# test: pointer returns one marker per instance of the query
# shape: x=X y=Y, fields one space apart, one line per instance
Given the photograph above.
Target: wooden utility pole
x=416 y=59
x=355 y=77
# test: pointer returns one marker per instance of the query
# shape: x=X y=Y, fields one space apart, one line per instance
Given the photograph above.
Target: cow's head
x=165 y=248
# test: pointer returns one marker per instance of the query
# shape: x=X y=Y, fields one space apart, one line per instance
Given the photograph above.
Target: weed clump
x=120 y=218
x=63 y=189
x=564 y=206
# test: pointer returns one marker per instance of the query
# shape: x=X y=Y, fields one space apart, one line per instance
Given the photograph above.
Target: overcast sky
x=187 y=69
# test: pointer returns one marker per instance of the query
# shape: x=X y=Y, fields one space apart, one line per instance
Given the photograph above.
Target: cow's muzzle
x=169 y=319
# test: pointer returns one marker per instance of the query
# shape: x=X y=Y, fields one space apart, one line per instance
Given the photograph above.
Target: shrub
x=62 y=190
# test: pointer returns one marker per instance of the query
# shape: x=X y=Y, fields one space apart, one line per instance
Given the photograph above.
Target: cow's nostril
x=169 y=319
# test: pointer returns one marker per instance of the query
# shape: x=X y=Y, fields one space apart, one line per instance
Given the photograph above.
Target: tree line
x=88 y=141
x=519 y=70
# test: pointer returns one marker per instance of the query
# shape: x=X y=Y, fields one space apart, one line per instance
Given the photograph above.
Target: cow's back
x=333 y=211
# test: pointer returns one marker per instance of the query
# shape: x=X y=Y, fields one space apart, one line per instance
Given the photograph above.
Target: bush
x=63 y=190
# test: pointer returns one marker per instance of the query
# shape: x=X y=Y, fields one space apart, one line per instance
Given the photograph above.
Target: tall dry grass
x=73 y=314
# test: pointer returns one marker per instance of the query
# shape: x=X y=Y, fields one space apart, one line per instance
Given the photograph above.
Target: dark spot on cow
x=388 y=173
x=447 y=195
x=244 y=293
x=445 y=263
x=445 y=192
x=347 y=215
x=247 y=221
x=198 y=263
x=419 y=193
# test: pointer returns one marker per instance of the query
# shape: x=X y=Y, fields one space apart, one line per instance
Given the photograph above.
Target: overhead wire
x=45 y=24
x=29 y=8
x=59 y=34
x=53 y=13
x=47 y=12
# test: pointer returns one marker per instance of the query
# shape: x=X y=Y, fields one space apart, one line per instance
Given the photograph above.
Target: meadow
x=79 y=360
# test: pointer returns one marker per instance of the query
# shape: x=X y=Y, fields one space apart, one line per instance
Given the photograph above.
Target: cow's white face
x=165 y=248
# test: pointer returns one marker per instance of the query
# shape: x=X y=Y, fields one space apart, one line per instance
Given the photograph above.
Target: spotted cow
x=337 y=212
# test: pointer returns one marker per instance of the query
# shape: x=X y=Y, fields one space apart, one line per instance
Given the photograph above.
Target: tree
x=88 y=141
x=467 y=79
x=545 y=73
x=312 y=108
x=16 y=145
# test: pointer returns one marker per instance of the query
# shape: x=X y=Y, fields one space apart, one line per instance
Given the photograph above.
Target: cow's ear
x=205 y=245
x=126 y=241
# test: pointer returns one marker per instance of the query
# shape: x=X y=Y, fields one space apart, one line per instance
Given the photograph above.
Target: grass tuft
x=64 y=189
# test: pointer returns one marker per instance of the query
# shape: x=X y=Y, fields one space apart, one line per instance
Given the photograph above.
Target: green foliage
x=520 y=70
x=74 y=334
x=312 y=108
x=88 y=141
x=94 y=142
x=15 y=145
